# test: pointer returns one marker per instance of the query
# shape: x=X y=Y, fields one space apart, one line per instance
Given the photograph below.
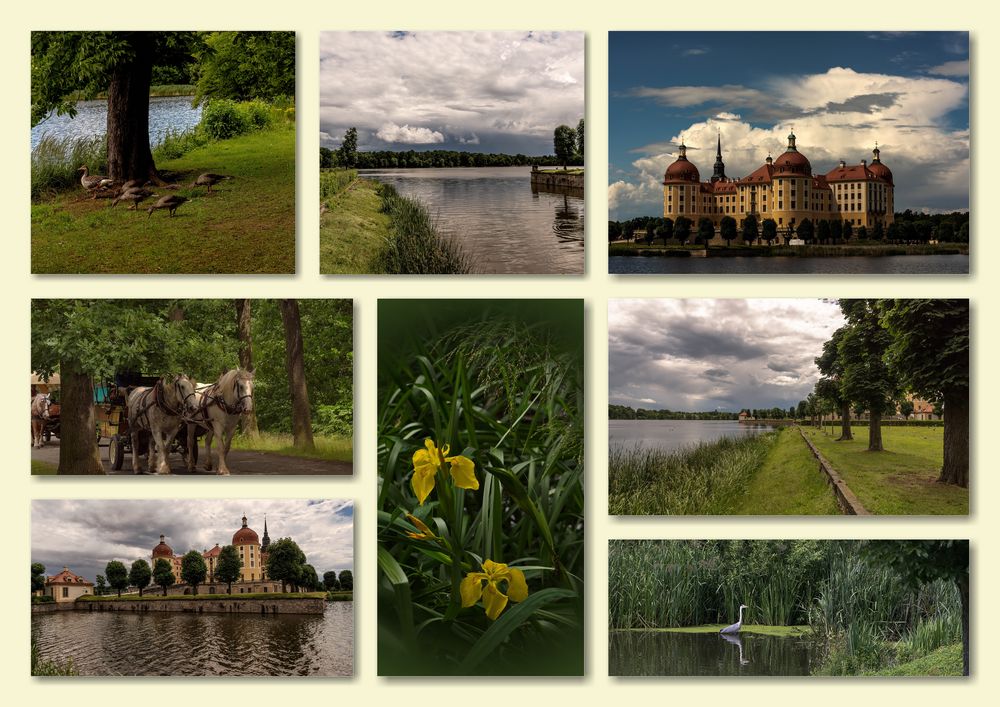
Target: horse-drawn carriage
x=44 y=408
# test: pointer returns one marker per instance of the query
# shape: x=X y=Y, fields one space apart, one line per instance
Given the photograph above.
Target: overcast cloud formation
x=473 y=91
x=85 y=535
x=703 y=355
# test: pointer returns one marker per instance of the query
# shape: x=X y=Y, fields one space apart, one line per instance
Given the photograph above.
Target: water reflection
x=848 y=265
x=647 y=653
x=670 y=435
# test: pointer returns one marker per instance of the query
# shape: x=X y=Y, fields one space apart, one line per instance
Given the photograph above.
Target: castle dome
x=879 y=169
x=245 y=535
x=162 y=550
x=681 y=170
x=791 y=161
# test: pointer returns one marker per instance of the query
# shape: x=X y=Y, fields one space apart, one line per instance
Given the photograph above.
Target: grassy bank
x=902 y=480
x=945 y=661
x=328 y=447
x=340 y=596
x=703 y=480
x=245 y=226
x=150 y=595
x=762 y=630
x=39 y=468
x=369 y=227
x=804 y=251
x=788 y=482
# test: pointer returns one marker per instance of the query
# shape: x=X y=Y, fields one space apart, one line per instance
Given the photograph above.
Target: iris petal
x=471 y=588
x=493 y=601
x=422 y=483
x=517 y=588
x=463 y=472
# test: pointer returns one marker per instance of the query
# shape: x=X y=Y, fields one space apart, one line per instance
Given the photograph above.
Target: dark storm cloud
x=867 y=103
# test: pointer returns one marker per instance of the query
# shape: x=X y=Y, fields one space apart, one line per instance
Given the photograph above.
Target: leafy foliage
x=139 y=575
x=163 y=574
x=117 y=576
x=228 y=566
x=241 y=66
x=37 y=576
x=285 y=561
x=194 y=571
x=930 y=344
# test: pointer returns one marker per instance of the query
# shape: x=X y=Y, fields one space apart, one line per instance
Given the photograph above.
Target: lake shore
x=802 y=251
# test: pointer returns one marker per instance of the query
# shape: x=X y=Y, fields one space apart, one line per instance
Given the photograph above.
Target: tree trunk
x=963 y=591
x=295 y=367
x=248 y=422
x=956 y=439
x=78 y=453
x=845 y=423
x=874 y=431
x=129 y=156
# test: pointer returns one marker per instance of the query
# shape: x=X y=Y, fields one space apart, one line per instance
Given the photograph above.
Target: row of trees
x=624 y=412
x=92 y=340
x=889 y=348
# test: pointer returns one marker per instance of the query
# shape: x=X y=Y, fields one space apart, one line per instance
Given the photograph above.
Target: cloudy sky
x=85 y=535
x=842 y=92
x=723 y=354
x=474 y=91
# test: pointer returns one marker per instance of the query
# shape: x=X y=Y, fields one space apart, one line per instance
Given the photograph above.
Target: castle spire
x=875 y=154
x=265 y=541
x=719 y=173
x=791 y=141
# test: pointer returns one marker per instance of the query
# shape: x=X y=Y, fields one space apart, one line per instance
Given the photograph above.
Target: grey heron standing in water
x=735 y=628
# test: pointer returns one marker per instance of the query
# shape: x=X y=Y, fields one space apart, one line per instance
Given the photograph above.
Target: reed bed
x=55 y=161
x=705 y=479
x=333 y=181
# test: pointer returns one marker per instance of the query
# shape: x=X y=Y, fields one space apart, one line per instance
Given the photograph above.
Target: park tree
x=837 y=230
x=921 y=562
x=330 y=581
x=284 y=562
x=847 y=230
x=862 y=233
x=579 y=139
x=117 y=576
x=906 y=409
x=244 y=331
x=347 y=153
x=295 y=367
x=614 y=231
x=806 y=230
x=867 y=378
x=665 y=229
x=705 y=230
x=823 y=231
x=564 y=144
x=100 y=586
x=750 y=229
x=929 y=351
x=139 y=575
x=193 y=569
x=727 y=229
x=163 y=575
x=346 y=579
x=831 y=366
x=37 y=576
x=308 y=579
x=228 y=566
x=770 y=230
x=242 y=66
x=682 y=229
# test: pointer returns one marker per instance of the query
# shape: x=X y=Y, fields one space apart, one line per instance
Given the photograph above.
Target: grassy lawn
x=353 y=230
x=900 y=480
x=43 y=468
x=946 y=660
x=247 y=227
x=783 y=631
x=327 y=447
x=789 y=482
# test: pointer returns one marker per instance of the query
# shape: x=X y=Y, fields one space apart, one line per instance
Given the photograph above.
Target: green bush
x=336 y=419
x=257 y=114
x=223 y=119
x=42 y=600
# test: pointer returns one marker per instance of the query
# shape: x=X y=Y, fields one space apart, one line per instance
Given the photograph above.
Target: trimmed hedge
x=42 y=600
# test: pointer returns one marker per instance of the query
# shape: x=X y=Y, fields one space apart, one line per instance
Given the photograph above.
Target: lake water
x=172 y=113
x=784 y=265
x=646 y=653
x=493 y=213
x=119 y=643
x=674 y=434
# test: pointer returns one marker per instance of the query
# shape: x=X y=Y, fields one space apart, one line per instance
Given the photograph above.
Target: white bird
x=735 y=628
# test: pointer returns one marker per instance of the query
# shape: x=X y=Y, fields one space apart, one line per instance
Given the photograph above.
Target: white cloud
x=390 y=132
x=951 y=68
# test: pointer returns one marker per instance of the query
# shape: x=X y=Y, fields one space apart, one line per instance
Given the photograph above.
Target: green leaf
x=401 y=591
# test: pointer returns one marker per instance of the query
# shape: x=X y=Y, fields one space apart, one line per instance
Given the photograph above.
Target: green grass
x=39 y=468
x=763 y=630
x=340 y=596
x=707 y=479
x=150 y=595
x=247 y=227
x=353 y=230
x=945 y=661
x=332 y=448
x=789 y=482
x=902 y=480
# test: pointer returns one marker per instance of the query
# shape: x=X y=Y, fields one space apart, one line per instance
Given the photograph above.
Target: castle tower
x=719 y=174
x=247 y=544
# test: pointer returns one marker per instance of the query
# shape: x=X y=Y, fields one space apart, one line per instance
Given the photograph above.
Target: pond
x=648 y=653
x=493 y=214
x=786 y=265
x=118 y=643
x=173 y=113
x=671 y=435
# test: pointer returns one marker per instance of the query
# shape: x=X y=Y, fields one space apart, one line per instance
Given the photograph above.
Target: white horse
x=39 y=414
x=219 y=409
x=161 y=411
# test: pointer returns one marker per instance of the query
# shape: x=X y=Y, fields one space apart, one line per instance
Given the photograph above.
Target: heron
x=735 y=628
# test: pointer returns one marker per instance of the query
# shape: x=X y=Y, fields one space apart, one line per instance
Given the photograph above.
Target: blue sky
x=842 y=91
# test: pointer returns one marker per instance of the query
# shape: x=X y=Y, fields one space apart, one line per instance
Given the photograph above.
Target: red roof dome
x=245 y=535
x=792 y=161
x=162 y=550
x=879 y=169
x=681 y=170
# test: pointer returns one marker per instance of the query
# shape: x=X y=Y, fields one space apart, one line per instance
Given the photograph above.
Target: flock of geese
x=135 y=191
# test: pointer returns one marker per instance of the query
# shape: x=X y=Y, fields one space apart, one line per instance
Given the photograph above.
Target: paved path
x=241 y=462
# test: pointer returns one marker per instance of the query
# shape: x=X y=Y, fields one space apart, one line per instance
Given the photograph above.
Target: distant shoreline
x=806 y=251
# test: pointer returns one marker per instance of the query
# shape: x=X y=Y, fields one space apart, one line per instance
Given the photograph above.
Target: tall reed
x=334 y=181
x=55 y=162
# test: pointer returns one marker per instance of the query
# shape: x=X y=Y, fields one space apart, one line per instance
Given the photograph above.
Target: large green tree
x=346 y=579
x=284 y=562
x=867 y=379
x=139 y=575
x=295 y=366
x=193 y=569
x=117 y=575
x=38 y=576
x=706 y=230
x=929 y=351
x=564 y=144
x=750 y=229
x=727 y=229
x=163 y=575
x=579 y=139
x=245 y=65
x=832 y=367
x=228 y=566
x=347 y=153
x=100 y=586
x=330 y=581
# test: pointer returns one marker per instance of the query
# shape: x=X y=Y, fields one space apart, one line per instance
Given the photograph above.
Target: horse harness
x=210 y=397
x=45 y=409
x=158 y=402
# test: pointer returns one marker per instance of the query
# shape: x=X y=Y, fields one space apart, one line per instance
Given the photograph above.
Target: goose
x=208 y=179
x=93 y=182
x=170 y=202
x=135 y=195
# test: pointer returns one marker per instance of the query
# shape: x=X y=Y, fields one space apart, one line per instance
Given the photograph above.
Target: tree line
x=891 y=348
x=624 y=412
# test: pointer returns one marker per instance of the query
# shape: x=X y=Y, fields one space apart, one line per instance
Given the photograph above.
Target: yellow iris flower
x=494 y=600
x=423 y=532
x=427 y=462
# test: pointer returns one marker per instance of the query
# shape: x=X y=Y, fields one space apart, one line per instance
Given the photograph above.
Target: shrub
x=257 y=114
x=223 y=119
x=42 y=600
x=337 y=419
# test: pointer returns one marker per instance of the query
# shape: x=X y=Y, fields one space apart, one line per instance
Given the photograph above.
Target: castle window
x=65 y=592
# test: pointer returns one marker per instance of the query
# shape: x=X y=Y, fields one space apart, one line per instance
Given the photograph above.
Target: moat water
x=785 y=265
x=670 y=435
x=119 y=643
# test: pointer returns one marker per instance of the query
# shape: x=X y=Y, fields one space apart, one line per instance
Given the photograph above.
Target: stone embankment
x=215 y=605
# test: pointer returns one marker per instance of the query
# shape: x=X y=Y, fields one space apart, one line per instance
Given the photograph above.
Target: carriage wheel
x=48 y=436
x=116 y=454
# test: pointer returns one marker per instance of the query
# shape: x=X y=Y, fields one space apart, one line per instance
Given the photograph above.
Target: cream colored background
x=596 y=287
